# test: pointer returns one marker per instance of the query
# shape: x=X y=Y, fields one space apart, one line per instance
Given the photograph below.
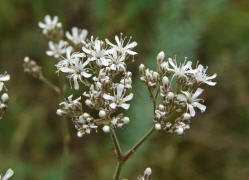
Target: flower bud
x=186 y=116
x=161 y=107
x=165 y=81
x=170 y=95
x=179 y=131
x=80 y=134
x=126 y=120
x=106 y=129
x=88 y=102
x=147 y=172
x=102 y=113
x=5 y=98
x=141 y=68
x=85 y=115
x=160 y=57
x=26 y=59
x=158 y=126
x=60 y=112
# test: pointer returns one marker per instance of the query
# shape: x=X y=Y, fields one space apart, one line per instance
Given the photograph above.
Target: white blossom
x=201 y=76
x=78 y=35
x=119 y=99
x=74 y=66
x=9 y=173
x=180 y=70
x=121 y=47
x=192 y=101
x=49 y=24
x=57 y=49
x=97 y=53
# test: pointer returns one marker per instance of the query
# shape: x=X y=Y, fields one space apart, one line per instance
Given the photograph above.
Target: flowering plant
x=97 y=69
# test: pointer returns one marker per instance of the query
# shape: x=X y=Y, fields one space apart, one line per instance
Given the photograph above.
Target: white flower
x=201 y=76
x=50 y=24
x=7 y=175
x=57 y=49
x=97 y=53
x=121 y=48
x=78 y=35
x=180 y=70
x=192 y=101
x=117 y=62
x=118 y=100
x=75 y=67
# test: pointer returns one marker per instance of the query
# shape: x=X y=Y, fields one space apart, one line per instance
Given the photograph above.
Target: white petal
x=108 y=97
x=76 y=84
x=69 y=36
x=128 y=98
x=86 y=75
x=200 y=106
x=66 y=70
x=212 y=77
x=131 y=52
x=8 y=174
x=41 y=25
x=50 y=53
x=120 y=89
x=125 y=106
x=172 y=63
x=197 y=93
x=131 y=45
x=210 y=83
x=191 y=110
x=181 y=97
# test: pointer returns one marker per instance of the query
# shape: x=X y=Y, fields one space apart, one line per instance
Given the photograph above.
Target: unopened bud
x=80 y=134
x=158 y=126
x=179 y=131
x=147 y=172
x=126 y=120
x=5 y=98
x=160 y=57
x=26 y=59
x=141 y=68
x=106 y=129
x=88 y=102
x=186 y=116
x=170 y=95
x=60 y=112
x=165 y=80
x=102 y=113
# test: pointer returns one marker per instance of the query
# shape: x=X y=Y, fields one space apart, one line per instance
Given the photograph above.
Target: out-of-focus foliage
x=215 y=32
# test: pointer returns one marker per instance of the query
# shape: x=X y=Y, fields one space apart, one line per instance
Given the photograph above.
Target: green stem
x=50 y=85
x=138 y=144
x=118 y=150
x=118 y=170
x=65 y=156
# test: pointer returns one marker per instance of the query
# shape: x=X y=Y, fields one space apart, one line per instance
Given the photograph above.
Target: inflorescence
x=179 y=88
x=3 y=93
x=99 y=68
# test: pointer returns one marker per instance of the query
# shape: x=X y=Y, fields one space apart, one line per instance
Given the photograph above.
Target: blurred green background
x=215 y=32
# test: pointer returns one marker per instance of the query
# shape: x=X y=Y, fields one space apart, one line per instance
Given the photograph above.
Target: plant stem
x=118 y=170
x=118 y=150
x=138 y=144
x=66 y=139
x=50 y=85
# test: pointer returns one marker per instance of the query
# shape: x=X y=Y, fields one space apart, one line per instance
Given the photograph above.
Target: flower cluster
x=96 y=66
x=4 y=96
x=9 y=173
x=31 y=67
x=147 y=174
x=179 y=88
